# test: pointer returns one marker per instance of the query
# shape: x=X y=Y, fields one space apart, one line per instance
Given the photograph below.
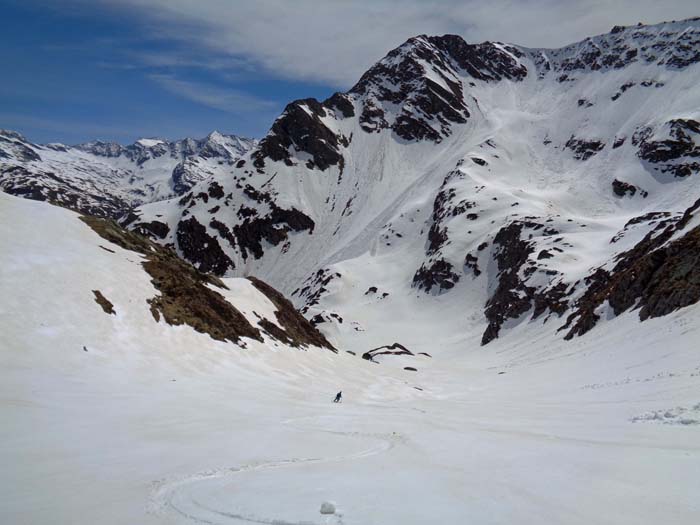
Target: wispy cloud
x=215 y=97
x=73 y=131
x=336 y=41
x=186 y=59
x=21 y=121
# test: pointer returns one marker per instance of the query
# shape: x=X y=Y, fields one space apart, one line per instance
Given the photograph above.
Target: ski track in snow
x=164 y=491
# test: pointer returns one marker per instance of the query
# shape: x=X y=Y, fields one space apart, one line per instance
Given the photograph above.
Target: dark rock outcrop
x=657 y=276
x=429 y=108
x=583 y=149
x=156 y=229
x=437 y=274
x=300 y=129
x=621 y=189
x=512 y=297
x=200 y=248
x=185 y=296
x=296 y=330
x=274 y=228
x=679 y=154
x=395 y=349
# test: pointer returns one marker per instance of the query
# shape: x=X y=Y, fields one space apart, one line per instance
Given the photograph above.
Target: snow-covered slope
x=107 y=179
x=86 y=284
x=478 y=187
x=117 y=418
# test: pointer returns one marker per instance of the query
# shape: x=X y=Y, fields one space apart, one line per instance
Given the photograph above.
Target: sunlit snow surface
x=159 y=424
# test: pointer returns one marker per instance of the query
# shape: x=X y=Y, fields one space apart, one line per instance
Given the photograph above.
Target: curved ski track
x=164 y=491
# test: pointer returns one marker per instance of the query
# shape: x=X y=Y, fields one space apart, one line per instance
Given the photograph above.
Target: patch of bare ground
x=296 y=329
x=106 y=305
x=185 y=296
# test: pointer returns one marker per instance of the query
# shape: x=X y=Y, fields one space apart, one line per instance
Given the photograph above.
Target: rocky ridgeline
x=663 y=45
x=106 y=179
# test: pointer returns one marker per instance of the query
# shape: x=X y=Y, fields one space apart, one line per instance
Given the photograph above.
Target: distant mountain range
x=107 y=179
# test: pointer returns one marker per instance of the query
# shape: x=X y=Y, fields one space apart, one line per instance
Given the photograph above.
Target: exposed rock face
x=300 y=129
x=104 y=303
x=675 y=149
x=273 y=227
x=659 y=275
x=182 y=178
x=621 y=189
x=296 y=330
x=156 y=229
x=472 y=262
x=439 y=275
x=215 y=145
x=14 y=144
x=403 y=78
x=315 y=287
x=201 y=248
x=658 y=219
x=359 y=179
x=184 y=295
x=205 y=247
x=514 y=296
x=584 y=149
x=408 y=77
x=436 y=272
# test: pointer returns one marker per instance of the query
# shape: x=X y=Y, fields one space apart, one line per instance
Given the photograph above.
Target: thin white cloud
x=224 y=99
x=188 y=59
x=334 y=42
x=21 y=121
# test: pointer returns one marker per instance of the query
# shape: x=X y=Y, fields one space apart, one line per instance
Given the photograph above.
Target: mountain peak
x=12 y=134
x=216 y=135
x=150 y=142
x=418 y=89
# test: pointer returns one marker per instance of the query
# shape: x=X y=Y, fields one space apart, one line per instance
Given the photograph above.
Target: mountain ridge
x=494 y=183
x=108 y=179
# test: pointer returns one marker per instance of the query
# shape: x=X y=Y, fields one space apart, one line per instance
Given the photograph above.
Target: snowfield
x=117 y=419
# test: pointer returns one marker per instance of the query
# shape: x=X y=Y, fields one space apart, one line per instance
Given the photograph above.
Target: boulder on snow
x=327 y=507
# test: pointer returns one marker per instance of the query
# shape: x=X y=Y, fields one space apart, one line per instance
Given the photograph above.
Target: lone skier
x=337 y=397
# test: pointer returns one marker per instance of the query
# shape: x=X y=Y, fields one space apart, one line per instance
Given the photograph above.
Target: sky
x=79 y=70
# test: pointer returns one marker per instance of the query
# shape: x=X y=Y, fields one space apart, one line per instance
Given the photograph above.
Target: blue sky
x=80 y=73
x=77 y=70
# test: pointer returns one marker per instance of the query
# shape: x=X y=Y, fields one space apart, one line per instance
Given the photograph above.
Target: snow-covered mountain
x=107 y=179
x=136 y=390
x=484 y=186
x=539 y=201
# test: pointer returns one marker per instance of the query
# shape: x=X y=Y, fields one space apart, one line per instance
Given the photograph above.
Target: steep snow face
x=487 y=184
x=108 y=179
